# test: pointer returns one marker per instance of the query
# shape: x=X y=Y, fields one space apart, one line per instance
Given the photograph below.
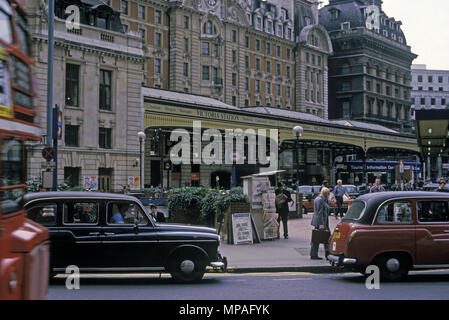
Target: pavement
x=280 y=255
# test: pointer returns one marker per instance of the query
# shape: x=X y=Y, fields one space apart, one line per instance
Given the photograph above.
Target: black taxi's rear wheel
x=393 y=267
x=187 y=268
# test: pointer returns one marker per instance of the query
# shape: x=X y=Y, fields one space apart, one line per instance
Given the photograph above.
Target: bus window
x=22 y=34
x=5 y=28
x=12 y=170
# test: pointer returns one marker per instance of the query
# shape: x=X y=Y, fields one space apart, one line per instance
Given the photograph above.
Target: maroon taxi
x=396 y=231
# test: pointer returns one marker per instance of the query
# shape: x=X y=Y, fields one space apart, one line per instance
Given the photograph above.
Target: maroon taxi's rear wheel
x=393 y=267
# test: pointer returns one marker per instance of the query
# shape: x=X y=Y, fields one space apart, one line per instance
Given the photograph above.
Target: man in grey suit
x=320 y=220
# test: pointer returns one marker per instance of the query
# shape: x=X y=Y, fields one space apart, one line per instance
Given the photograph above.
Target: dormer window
x=284 y=14
x=258 y=23
x=346 y=26
x=269 y=26
x=334 y=14
x=279 y=30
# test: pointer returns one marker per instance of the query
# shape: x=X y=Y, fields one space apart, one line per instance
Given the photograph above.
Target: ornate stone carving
x=233 y=14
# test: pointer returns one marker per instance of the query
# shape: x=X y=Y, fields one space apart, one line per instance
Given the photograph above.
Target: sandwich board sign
x=242 y=228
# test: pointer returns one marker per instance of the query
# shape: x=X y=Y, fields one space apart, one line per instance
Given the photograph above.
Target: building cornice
x=91 y=48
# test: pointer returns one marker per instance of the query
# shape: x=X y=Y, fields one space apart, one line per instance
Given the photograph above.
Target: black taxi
x=102 y=232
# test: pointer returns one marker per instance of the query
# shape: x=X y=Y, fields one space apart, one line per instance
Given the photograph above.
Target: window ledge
x=106 y=111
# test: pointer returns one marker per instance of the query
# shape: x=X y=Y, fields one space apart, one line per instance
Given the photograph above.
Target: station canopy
x=432 y=127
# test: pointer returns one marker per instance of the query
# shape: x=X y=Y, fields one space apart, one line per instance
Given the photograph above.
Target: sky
x=426 y=28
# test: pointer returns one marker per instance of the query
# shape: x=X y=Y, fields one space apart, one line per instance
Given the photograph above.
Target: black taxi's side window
x=395 y=212
x=44 y=213
x=125 y=213
x=433 y=211
x=81 y=213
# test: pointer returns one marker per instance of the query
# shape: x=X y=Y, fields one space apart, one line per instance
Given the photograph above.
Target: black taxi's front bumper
x=341 y=261
x=221 y=263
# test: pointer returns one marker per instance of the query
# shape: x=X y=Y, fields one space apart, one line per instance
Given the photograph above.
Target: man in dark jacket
x=320 y=220
x=283 y=197
x=157 y=215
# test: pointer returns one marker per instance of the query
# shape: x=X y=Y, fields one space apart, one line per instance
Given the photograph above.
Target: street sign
x=57 y=123
x=234 y=157
x=48 y=153
x=47 y=179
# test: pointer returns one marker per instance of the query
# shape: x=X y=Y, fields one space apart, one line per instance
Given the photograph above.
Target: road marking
x=116 y=275
x=292 y=279
x=208 y=275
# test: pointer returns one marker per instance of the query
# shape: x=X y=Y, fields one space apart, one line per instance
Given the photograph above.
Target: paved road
x=427 y=285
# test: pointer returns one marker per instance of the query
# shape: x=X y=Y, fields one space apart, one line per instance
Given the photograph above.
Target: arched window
x=209 y=28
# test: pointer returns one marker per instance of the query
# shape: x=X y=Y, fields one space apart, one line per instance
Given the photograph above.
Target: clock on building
x=212 y=2
x=372 y=14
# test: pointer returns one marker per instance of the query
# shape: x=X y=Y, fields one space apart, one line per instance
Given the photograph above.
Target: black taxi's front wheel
x=186 y=268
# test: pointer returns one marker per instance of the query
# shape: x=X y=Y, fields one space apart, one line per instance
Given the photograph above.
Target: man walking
x=320 y=221
x=339 y=192
x=442 y=186
x=377 y=187
x=283 y=197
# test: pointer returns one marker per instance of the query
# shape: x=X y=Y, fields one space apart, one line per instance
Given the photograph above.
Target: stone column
x=439 y=167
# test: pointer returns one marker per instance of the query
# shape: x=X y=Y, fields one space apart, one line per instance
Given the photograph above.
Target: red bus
x=24 y=245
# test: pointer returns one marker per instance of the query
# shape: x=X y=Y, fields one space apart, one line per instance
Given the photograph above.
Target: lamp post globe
x=297 y=131
x=141 y=135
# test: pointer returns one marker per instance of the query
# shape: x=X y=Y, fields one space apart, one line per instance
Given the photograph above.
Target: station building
x=323 y=150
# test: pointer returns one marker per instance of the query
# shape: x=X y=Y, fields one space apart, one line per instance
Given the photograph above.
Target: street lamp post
x=297 y=132
x=142 y=137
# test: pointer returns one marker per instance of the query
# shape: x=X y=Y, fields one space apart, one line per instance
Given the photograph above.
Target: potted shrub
x=233 y=202
x=184 y=204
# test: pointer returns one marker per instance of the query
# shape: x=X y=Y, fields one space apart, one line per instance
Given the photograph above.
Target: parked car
x=433 y=186
x=309 y=194
x=352 y=191
x=362 y=189
x=114 y=232
x=397 y=231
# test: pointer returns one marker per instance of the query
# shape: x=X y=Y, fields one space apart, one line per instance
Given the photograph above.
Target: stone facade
x=94 y=51
x=370 y=71
x=430 y=88
x=244 y=53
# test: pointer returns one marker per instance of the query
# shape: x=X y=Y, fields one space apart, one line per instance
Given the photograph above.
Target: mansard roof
x=352 y=11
